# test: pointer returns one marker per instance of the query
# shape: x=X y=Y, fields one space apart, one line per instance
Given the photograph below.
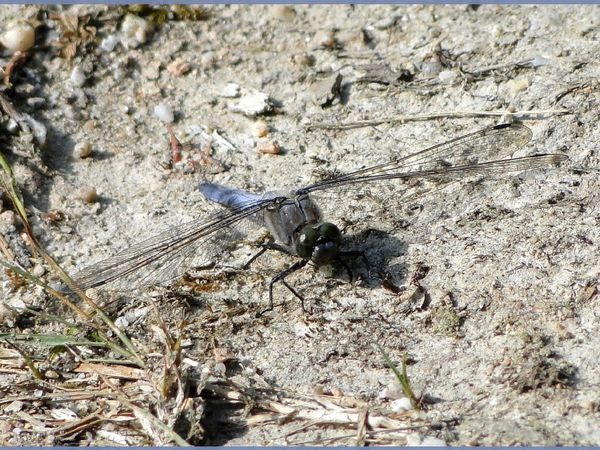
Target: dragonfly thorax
x=319 y=242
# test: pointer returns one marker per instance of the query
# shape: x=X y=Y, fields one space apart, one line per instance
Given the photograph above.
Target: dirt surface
x=489 y=286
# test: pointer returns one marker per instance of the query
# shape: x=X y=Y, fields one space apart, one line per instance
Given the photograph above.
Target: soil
x=487 y=283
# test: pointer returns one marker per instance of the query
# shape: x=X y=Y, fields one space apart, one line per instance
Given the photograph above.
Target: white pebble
x=77 y=76
x=447 y=76
x=231 y=90
x=252 y=104
x=164 y=112
x=135 y=30
x=400 y=405
x=109 y=43
x=38 y=271
x=539 y=61
x=20 y=36
x=82 y=150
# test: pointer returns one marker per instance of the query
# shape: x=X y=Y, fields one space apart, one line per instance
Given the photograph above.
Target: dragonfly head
x=320 y=242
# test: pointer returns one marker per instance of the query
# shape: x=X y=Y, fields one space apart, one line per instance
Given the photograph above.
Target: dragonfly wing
x=484 y=151
x=164 y=256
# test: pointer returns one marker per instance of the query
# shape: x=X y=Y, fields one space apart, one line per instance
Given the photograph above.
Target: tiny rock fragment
x=222 y=355
x=178 y=67
x=231 y=90
x=447 y=76
x=401 y=405
x=164 y=113
x=109 y=43
x=269 y=148
x=38 y=271
x=135 y=30
x=82 y=150
x=77 y=77
x=323 y=39
x=252 y=104
x=261 y=129
x=88 y=195
x=323 y=92
x=19 y=37
x=304 y=59
x=517 y=85
x=283 y=12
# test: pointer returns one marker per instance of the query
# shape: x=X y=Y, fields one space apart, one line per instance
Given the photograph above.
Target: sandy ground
x=501 y=332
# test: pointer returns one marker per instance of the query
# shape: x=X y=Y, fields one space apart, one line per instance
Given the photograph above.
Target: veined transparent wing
x=165 y=256
x=484 y=151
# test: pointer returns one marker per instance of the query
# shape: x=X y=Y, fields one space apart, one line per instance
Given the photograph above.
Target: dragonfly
x=295 y=220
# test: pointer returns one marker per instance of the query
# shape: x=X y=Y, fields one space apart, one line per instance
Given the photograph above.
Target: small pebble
x=401 y=405
x=178 y=67
x=323 y=39
x=77 y=76
x=304 y=59
x=135 y=29
x=36 y=102
x=231 y=90
x=88 y=195
x=283 y=12
x=109 y=43
x=164 y=113
x=261 y=129
x=38 y=271
x=447 y=76
x=517 y=85
x=252 y=104
x=12 y=126
x=20 y=36
x=539 y=61
x=82 y=149
x=269 y=148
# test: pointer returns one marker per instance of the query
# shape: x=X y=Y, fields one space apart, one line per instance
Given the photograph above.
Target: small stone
x=269 y=148
x=164 y=113
x=261 y=129
x=82 y=149
x=539 y=61
x=252 y=104
x=304 y=59
x=231 y=90
x=109 y=43
x=323 y=92
x=517 y=85
x=401 y=405
x=36 y=102
x=77 y=77
x=19 y=37
x=38 y=271
x=88 y=195
x=447 y=76
x=283 y=12
x=12 y=126
x=323 y=39
x=135 y=30
x=178 y=67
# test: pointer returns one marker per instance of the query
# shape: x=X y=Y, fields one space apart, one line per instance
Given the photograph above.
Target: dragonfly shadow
x=372 y=250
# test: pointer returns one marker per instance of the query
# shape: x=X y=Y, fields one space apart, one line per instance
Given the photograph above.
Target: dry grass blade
x=404 y=118
x=8 y=183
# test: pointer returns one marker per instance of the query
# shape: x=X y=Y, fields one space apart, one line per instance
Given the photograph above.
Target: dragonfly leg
x=281 y=277
x=264 y=248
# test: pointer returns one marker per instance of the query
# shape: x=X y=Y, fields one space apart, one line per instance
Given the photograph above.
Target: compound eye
x=330 y=231
x=307 y=239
